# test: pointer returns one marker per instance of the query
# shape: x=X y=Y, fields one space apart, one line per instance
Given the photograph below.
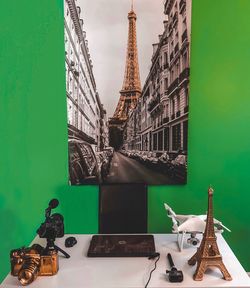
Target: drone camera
x=193 y=241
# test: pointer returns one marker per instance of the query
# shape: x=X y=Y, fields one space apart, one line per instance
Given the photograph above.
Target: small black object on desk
x=70 y=242
x=174 y=274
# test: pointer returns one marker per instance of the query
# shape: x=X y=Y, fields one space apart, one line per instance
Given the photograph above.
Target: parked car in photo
x=178 y=168
x=125 y=153
x=152 y=159
x=164 y=162
x=83 y=164
x=164 y=158
x=138 y=155
x=109 y=151
x=143 y=157
x=104 y=163
x=129 y=153
x=134 y=154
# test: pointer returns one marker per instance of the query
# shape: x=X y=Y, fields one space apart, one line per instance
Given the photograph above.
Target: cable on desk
x=151 y=272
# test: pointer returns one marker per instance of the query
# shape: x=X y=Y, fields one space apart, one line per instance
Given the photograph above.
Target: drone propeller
x=170 y=211
x=223 y=226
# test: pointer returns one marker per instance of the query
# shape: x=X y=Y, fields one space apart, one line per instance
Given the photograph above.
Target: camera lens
x=29 y=270
x=25 y=277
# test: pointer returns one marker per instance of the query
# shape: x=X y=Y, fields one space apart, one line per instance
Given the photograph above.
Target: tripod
x=52 y=246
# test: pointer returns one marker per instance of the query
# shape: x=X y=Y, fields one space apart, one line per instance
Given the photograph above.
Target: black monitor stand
x=123 y=209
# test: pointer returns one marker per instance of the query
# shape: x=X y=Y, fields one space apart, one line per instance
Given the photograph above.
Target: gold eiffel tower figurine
x=208 y=254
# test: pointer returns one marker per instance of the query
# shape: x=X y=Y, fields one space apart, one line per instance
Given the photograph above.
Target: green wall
x=33 y=165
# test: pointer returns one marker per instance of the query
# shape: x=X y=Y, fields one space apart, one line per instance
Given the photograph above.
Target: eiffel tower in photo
x=208 y=254
x=131 y=89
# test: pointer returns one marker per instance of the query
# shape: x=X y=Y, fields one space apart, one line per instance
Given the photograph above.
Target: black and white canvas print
x=127 y=86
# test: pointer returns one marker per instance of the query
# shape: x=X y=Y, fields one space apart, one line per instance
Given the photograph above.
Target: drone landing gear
x=192 y=240
x=180 y=240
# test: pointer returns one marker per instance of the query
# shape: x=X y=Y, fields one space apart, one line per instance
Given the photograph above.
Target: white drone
x=192 y=224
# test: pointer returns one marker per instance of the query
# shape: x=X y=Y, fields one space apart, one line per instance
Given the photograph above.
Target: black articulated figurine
x=52 y=228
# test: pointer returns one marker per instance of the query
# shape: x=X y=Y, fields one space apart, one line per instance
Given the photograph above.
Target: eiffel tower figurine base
x=203 y=263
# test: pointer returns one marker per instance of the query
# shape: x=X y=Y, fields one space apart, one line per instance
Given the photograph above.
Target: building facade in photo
x=131 y=137
x=86 y=115
x=177 y=82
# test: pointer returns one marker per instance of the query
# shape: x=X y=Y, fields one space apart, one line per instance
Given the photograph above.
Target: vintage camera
x=28 y=263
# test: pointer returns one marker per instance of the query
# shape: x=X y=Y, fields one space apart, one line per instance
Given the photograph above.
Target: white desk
x=82 y=272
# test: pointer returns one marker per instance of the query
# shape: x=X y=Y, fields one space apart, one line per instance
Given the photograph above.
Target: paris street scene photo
x=127 y=68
